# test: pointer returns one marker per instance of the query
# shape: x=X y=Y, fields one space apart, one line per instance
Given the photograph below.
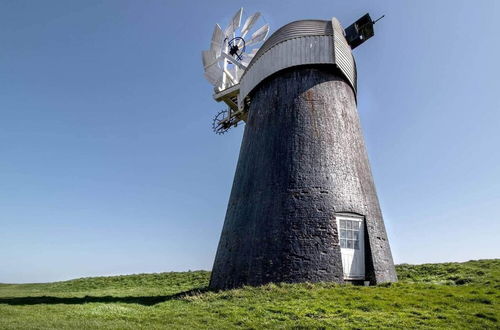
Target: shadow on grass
x=145 y=300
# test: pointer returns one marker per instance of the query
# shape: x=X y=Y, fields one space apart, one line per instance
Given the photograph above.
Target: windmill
x=224 y=63
x=303 y=206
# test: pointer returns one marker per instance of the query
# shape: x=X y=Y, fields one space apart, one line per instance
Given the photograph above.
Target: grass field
x=448 y=295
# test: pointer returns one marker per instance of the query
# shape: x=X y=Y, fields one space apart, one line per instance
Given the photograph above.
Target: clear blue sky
x=108 y=164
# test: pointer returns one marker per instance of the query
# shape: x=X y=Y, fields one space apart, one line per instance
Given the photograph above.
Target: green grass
x=449 y=295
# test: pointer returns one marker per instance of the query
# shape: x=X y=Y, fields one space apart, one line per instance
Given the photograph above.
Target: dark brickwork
x=302 y=159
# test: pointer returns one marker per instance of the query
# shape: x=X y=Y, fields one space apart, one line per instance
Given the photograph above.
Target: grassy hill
x=448 y=295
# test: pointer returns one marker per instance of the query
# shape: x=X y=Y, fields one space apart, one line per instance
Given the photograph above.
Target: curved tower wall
x=302 y=161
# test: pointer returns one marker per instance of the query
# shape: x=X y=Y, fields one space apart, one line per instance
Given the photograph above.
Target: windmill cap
x=304 y=42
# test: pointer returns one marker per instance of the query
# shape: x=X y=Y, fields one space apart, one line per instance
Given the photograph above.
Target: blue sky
x=108 y=164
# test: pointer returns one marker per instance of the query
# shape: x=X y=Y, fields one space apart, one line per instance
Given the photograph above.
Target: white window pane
x=343 y=233
x=349 y=224
x=342 y=224
x=356 y=235
x=355 y=225
x=343 y=243
x=349 y=234
x=350 y=244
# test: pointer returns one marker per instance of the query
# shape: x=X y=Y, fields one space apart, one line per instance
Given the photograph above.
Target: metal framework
x=228 y=58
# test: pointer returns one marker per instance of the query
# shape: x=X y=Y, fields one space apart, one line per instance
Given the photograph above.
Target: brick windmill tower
x=303 y=205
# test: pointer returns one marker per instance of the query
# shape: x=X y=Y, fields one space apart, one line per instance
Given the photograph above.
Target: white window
x=349 y=234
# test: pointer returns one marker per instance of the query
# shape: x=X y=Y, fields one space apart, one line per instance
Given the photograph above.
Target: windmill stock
x=303 y=205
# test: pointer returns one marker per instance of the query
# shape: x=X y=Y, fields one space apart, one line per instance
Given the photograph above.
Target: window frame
x=349 y=217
